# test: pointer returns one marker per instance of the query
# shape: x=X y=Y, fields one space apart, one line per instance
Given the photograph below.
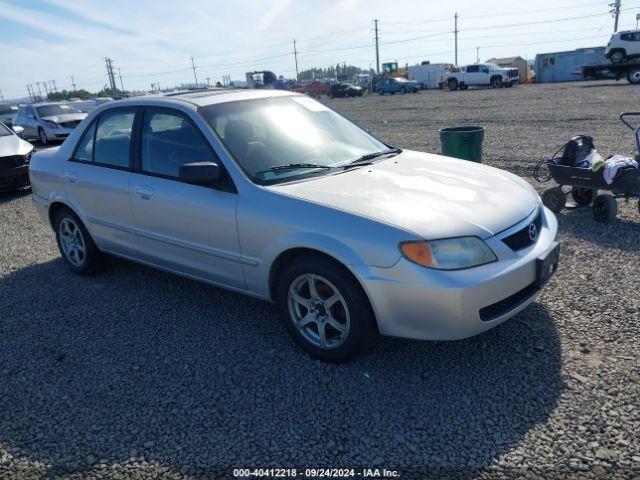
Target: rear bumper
x=415 y=302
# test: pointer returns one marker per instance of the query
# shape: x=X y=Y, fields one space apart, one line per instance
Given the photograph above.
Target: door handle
x=144 y=192
x=71 y=176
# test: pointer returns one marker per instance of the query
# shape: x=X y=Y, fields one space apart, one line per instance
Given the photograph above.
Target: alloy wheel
x=319 y=311
x=72 y=242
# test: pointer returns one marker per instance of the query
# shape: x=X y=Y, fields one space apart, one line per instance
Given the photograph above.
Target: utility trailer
x=629 y=70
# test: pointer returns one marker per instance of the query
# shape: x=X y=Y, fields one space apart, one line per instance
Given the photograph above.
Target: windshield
x=56 y=109
x=4 y=130
x=285 y=131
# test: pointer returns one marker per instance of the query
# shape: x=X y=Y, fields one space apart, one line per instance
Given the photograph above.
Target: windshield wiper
x=366 y=159
x=291 y=166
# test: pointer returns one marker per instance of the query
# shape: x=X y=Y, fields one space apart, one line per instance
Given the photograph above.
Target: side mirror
x=18 y=130
x=200 y=173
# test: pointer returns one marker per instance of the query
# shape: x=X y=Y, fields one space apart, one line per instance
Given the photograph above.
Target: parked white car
x=484 y=74
x=15 y=154
x=623 y=46
x=275 y=195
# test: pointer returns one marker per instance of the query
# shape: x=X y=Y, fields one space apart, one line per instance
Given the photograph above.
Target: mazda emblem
x=533 y=232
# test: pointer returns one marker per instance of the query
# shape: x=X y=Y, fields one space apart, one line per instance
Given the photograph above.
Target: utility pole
x=615 y=11
x=193 y=65
x=208 y=81
x=112 y=80
x=295 y=55
x=477 y=54
x=375 y=27
x=455 y=32
x=1 y=97
x=73 y=83
x=120 y=77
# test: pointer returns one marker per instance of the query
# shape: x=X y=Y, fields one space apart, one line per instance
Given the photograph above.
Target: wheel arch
x=290 y=254
x=56 y=207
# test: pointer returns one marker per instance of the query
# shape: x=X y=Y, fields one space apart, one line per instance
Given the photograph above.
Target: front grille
x=498 y=309
x=513 y=73
x=521 y=239
x=14 y=161
x=70 y=124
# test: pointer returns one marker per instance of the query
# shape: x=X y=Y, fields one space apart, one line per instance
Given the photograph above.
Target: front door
x=183 y=227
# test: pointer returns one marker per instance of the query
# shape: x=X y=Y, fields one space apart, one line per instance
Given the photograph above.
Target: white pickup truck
x=483 y=74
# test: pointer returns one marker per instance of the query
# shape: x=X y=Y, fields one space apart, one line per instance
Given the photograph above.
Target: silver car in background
x=7 y=113
x=275 y=195
x=48 y=121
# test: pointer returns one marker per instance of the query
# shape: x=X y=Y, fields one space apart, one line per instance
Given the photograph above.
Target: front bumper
x=59 y=133
x=16 y=177
x=415 y=302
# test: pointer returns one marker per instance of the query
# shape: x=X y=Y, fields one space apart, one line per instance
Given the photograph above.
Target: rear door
x=97 y=180
x=183 y=227
x=473 y=76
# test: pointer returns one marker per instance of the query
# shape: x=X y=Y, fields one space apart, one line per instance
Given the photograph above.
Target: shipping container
x=566 y=66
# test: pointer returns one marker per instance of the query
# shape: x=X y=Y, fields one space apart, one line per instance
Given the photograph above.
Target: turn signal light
x=417 y=252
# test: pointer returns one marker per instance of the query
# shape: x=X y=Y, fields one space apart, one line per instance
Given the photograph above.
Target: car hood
x=13 y=145
x=65 y=117
x=429 y=195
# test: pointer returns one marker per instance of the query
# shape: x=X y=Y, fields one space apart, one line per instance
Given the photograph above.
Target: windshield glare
x=268 y=132
x=61 y=109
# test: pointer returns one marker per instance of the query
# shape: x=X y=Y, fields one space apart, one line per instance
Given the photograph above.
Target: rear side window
x=113 y=138
x=84 y=150
x=169 y=140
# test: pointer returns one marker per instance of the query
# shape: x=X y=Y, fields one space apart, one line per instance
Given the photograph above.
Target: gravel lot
x=137 y=373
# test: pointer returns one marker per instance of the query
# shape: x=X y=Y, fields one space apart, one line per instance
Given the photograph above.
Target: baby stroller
x=585 y=183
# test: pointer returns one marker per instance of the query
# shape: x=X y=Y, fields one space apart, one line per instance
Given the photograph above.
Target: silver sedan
x=275 y=195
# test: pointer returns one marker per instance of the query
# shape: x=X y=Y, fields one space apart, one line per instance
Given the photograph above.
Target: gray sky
x=154 y=41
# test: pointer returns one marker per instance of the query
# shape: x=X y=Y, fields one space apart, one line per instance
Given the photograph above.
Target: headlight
x=449 y=254
x=51 y=124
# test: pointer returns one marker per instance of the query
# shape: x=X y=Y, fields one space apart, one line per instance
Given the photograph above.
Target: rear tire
x=306 y=312
x=583 y=196
x=76 y=245
x=452 y=84
x=554 y=199
x=605 y=209
x=619 y=56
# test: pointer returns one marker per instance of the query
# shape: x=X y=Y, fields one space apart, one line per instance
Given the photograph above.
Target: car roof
x=203 y=98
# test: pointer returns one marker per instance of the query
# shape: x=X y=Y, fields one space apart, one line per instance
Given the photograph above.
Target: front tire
x=325 y=309
x=452 y=84
x=605 y=209
x=42 y=136
x=583 y=196
x=554 y=199
x=633 y=76
x=76 y=245
x=496 y=82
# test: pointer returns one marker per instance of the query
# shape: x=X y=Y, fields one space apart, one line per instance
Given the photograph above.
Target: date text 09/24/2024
x=316 y=473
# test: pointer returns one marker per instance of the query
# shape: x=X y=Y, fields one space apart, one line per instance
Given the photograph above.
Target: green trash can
x=462 y=142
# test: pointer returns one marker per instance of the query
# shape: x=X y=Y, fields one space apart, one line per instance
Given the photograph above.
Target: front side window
x=113 y=138
x=287 y=130
x=169 y=140
x=472 y=68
